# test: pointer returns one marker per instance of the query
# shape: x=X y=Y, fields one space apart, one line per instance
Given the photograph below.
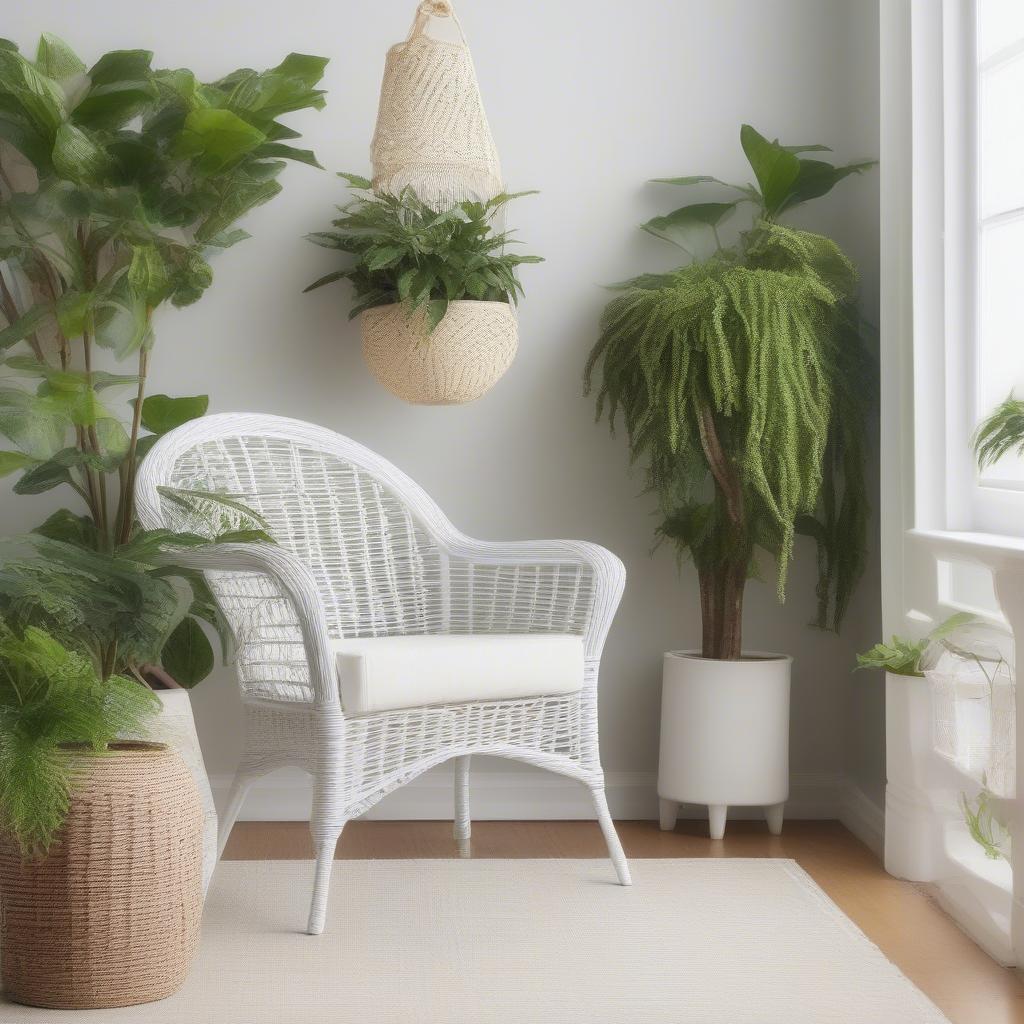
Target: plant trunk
x=722 y=581
x=721 y=607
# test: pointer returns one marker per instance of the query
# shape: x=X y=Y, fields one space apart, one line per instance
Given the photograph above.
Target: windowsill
x=997 y=551
x=968 y=858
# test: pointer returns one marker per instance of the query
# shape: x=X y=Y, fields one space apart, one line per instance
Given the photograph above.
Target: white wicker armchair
x=363 y=552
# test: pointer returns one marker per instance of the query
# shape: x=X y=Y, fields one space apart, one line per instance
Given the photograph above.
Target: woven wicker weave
x=462 y=359
x=110 y=917
x=363 y=551
x=432 y=132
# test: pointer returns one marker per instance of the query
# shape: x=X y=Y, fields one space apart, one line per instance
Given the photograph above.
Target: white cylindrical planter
x=176 y=727
x=724 y=736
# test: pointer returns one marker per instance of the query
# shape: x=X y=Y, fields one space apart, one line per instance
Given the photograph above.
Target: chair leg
x=325 y=843
x=461 y=827
x=236 y=797
x=611 y=837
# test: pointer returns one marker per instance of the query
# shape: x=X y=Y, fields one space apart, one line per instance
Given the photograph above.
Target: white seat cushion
x=384 y=673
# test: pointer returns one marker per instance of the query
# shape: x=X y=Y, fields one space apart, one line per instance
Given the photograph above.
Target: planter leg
x=668 y=812
x=773 y=815
x=716 y=819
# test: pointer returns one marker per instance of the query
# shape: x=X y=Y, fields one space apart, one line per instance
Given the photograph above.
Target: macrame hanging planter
x=432 y=132
x=432 y=136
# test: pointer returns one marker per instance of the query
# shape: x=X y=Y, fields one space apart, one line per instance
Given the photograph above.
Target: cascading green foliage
x=49 y=697
x=404 y=251
x=901 y=657
x=742 y=379
x=118 y=183
x=1000 y=433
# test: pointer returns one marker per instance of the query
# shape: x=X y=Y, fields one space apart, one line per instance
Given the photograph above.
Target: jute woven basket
x=110 y=916
x=432 y=132
x=461 y=360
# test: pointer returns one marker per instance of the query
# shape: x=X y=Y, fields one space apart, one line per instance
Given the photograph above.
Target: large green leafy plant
x=742 y=379
x=51 y=697
x=403 y=251
x=117 y=184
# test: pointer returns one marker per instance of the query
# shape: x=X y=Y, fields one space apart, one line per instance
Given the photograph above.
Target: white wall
x=587 y=100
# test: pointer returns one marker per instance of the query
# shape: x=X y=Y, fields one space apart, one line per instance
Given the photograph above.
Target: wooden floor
x=899 y=917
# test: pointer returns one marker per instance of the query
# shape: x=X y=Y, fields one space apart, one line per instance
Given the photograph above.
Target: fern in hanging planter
x=435 y=291
x=742 y=378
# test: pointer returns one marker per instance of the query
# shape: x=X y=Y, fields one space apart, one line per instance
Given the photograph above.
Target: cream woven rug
x=527 y=941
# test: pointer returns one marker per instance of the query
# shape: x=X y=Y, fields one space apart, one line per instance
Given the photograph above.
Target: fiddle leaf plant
x=119 y=183
x=742 y=378
x=404 y=251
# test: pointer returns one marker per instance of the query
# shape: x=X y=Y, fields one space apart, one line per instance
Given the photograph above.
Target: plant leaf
x=78 y=156
x=12 y=461
x=334 y=275
x=187 y=655
x=776 y=169
x=816 y=178
x=356 y=180
x=278 y=149
x=216 y=139
x=56 y=60
x=161 y=413
x=690 y=227
x=436 y=310
x=25 y=325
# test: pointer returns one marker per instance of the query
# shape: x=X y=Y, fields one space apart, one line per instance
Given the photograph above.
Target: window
x=995 y=191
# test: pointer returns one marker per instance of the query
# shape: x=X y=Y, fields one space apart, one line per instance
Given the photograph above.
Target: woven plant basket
x=432 y=133
x=110 y=916
x=461 y=360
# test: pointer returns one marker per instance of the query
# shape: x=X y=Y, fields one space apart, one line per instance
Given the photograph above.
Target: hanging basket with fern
x=435 y=291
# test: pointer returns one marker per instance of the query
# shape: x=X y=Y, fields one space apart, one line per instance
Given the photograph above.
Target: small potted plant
x=100 y=838
x=949 y=703
x=742 y=379
x=435 y=291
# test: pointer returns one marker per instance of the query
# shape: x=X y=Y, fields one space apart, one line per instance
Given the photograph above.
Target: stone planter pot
x=464 y=357
x=724 y=736
x=110 y=915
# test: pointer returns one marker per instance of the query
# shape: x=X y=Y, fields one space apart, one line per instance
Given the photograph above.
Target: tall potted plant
x=435 y=291
x=742 y=378
x=118 y=183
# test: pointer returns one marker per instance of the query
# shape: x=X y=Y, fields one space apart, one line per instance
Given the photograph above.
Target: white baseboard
x=863 y=817
x=525 y=794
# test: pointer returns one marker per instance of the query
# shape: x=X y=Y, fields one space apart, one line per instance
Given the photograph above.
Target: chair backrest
x=363 y=527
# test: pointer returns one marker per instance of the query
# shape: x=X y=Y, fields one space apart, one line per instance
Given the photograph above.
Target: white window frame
x=934 y=514
x=950 y=494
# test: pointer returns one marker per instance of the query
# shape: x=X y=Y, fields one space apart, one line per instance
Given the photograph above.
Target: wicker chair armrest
x=550 y=582
x=297 y=585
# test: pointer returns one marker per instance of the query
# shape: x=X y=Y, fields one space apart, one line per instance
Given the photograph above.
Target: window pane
x=1000 y=24
x=1001 y=348
x=1002 y=137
